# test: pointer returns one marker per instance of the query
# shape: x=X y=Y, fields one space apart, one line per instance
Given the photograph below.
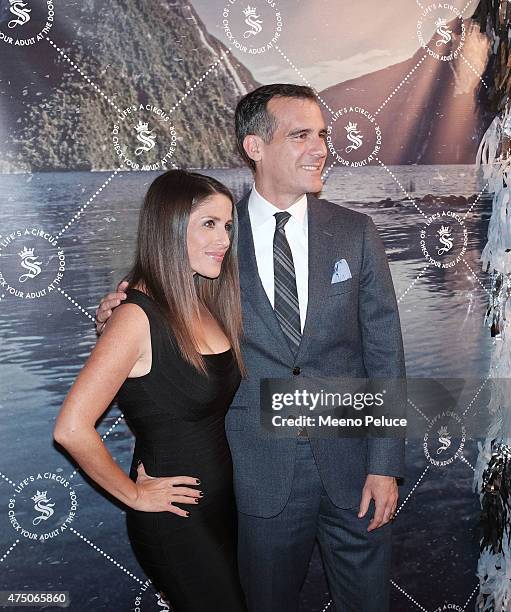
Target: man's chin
x=314 y=186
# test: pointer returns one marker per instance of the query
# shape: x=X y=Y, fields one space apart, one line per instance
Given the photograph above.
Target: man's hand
x=107 y=304
x=383 y=489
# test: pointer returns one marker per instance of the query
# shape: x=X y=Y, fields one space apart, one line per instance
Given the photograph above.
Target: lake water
x=45 y=341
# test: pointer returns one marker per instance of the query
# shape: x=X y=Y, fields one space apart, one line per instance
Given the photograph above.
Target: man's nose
x=319 y=148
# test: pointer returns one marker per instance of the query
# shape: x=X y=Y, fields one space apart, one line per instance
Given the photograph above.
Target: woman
x=171 y=354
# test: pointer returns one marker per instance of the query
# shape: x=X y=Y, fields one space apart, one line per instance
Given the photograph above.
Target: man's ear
x=253 y=147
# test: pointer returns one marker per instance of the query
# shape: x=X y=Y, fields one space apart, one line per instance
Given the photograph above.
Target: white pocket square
x=341 y=271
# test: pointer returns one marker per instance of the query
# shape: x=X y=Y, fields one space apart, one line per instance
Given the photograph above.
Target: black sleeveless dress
x=177 y=416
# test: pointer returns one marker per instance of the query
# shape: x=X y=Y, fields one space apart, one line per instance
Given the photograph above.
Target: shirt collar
x=260 y=210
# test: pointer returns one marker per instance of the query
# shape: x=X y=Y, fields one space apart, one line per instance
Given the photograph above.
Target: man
x=298 y=322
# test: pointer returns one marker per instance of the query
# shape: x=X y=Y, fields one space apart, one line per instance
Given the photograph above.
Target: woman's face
x=209 y=235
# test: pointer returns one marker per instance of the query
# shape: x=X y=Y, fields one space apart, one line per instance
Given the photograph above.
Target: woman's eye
x=210 y=223
x=228 y=227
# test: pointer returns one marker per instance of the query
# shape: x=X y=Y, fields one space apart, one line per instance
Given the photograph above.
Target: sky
x=331 y=41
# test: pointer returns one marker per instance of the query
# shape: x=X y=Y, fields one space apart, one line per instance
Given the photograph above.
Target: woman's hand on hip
x=160 y=494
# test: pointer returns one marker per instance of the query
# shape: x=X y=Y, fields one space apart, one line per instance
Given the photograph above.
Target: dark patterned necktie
x=286 y=295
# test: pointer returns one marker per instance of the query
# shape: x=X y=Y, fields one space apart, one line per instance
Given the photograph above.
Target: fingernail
x=187 y=514
x=201 y=494
x=197 y=481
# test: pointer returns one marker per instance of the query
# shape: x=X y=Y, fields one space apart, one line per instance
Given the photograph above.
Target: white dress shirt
x=263 y=224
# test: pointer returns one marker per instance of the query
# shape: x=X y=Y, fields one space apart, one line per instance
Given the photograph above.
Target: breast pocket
x=342 y=286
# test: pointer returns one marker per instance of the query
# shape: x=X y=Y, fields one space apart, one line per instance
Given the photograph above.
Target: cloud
x=325 y=73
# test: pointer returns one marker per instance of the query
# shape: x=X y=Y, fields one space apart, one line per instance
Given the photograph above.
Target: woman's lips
x=217 y=256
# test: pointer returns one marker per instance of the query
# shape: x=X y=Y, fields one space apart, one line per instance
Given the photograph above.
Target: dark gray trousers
x=274 y=553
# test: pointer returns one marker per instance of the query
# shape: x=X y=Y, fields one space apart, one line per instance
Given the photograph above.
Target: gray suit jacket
x=352 y=329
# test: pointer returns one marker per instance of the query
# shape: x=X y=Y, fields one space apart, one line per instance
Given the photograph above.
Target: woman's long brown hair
x=162 y=265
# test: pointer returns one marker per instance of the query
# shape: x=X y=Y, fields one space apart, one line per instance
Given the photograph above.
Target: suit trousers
x=274 y=553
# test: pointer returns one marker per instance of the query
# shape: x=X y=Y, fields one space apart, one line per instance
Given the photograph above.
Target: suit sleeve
x=381 y=341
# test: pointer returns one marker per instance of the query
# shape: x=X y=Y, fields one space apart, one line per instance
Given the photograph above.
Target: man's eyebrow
x=297 y=131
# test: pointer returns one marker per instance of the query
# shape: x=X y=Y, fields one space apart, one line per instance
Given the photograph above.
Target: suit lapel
x=321 y=256
x=252 y=289
x=321 y=251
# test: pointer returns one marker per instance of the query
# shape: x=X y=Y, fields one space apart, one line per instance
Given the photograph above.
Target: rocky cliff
x=439 y=113
x=148 y=52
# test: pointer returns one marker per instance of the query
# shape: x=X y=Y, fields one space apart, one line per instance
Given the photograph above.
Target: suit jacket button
x=296 y=370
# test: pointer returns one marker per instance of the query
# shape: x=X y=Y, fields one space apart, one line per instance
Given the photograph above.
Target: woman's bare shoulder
x=129 y=319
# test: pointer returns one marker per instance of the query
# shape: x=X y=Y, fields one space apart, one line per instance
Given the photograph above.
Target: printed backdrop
x=98 y=98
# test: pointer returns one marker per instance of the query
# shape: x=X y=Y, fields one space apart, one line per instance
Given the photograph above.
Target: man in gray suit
x=301 y=320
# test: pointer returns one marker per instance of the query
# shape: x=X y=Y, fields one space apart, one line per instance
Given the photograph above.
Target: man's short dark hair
x=252 y=115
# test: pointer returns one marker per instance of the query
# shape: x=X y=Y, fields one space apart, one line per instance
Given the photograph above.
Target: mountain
x=148 y=52
x=153 y=51
x=438 y=116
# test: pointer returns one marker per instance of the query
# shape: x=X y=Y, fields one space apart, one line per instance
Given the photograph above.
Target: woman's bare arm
x=120 y=347
x=112 y=359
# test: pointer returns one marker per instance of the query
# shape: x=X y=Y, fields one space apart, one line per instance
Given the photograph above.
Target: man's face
x=292 y=162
